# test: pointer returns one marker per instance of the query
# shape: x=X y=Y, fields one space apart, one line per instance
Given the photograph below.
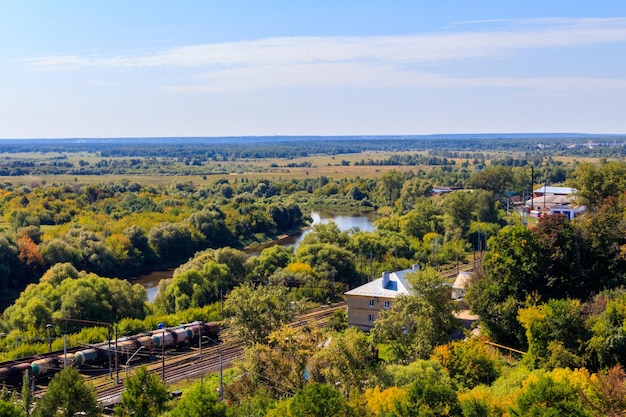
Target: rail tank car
x=11 y=373
x=47 y=365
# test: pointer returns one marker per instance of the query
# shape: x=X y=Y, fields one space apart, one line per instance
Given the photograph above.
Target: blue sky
x=229 y=68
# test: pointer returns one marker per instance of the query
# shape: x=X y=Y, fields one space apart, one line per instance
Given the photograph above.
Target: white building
x=367 y=301
x=461 y=284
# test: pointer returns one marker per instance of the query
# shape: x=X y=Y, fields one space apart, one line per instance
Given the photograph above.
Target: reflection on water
x=364 y=221
x=151 y=281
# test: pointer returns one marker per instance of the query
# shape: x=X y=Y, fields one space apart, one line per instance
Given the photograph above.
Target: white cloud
x=385 y=61
x=375 y=76
x=409 y=48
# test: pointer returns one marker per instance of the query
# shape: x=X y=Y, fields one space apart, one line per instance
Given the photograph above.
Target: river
x=364 y=221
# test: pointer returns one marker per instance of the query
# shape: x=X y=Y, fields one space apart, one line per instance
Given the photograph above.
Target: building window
x=387 y=304
x=370 y=318
x=371 y=303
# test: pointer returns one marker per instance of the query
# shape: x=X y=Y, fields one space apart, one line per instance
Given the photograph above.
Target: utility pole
x=163 y=355
x=544 y=195
x=117 y=368
x=371 y=265
x=219 y=348
x=532 y=183
x=221 y=375
x=361 y=260
x=94 y=323
x=49 y=327
x=110 y=362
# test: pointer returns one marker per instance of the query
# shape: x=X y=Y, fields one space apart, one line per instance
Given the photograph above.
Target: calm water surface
x=364 y=221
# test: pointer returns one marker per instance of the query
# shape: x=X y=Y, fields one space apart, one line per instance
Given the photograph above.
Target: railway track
x=187 y=365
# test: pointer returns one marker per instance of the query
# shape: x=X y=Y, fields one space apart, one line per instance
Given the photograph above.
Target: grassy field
x=271 y=168
x=332 y=166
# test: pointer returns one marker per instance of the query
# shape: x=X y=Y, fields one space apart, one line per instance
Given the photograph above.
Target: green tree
x=271 y=259
x=495 y=178
x=68 y=395
x=199 y=401
x=594 y=184
x=347 y=360
x=237 y=262
x=286 y=217
x=475 y=407
x=548 y=397
x=555 y=322
x=390 y=186
x=87 y=297
x=511 y=273
x=317 y=400
x=366 y=243
x=193 y=288
x=469 y=362
x=28 y=396
x=10 y=274
x=211 y=222
x=256 y=311
x=326 y=233
x=486 y=206
x=416 y=323
x=145 y=395
x=412 y=191
x=607 y=345
x=59 y=272
x=171 y=241
x=280 y=365
x=424 y=218
x=8 y=409
x=561 y=243
x=604 y=241
x=458 y=207
x=330 y=261
x=432 y=393
x=142 y=253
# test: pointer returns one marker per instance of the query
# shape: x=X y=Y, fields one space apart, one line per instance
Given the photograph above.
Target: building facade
x=366 y=302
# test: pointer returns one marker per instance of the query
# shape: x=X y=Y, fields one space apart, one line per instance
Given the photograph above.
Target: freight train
x=160 y=339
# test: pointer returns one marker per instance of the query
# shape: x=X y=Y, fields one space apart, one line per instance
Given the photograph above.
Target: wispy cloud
x=379 y=60
x=376 y=76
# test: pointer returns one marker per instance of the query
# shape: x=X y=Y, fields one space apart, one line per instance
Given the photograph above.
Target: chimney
x=416 y=267
x=385 y=282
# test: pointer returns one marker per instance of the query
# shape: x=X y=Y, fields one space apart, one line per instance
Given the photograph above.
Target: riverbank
x=285 y=239
x=345 y=221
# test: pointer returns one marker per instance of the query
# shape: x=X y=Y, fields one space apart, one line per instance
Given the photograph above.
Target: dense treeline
x=554 y=289
x=125 y=229
x=408 y=160
x=558 y=289
x=198 y=151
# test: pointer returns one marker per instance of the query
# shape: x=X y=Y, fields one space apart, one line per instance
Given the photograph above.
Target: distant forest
x=203 y=155
x=234 y=148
